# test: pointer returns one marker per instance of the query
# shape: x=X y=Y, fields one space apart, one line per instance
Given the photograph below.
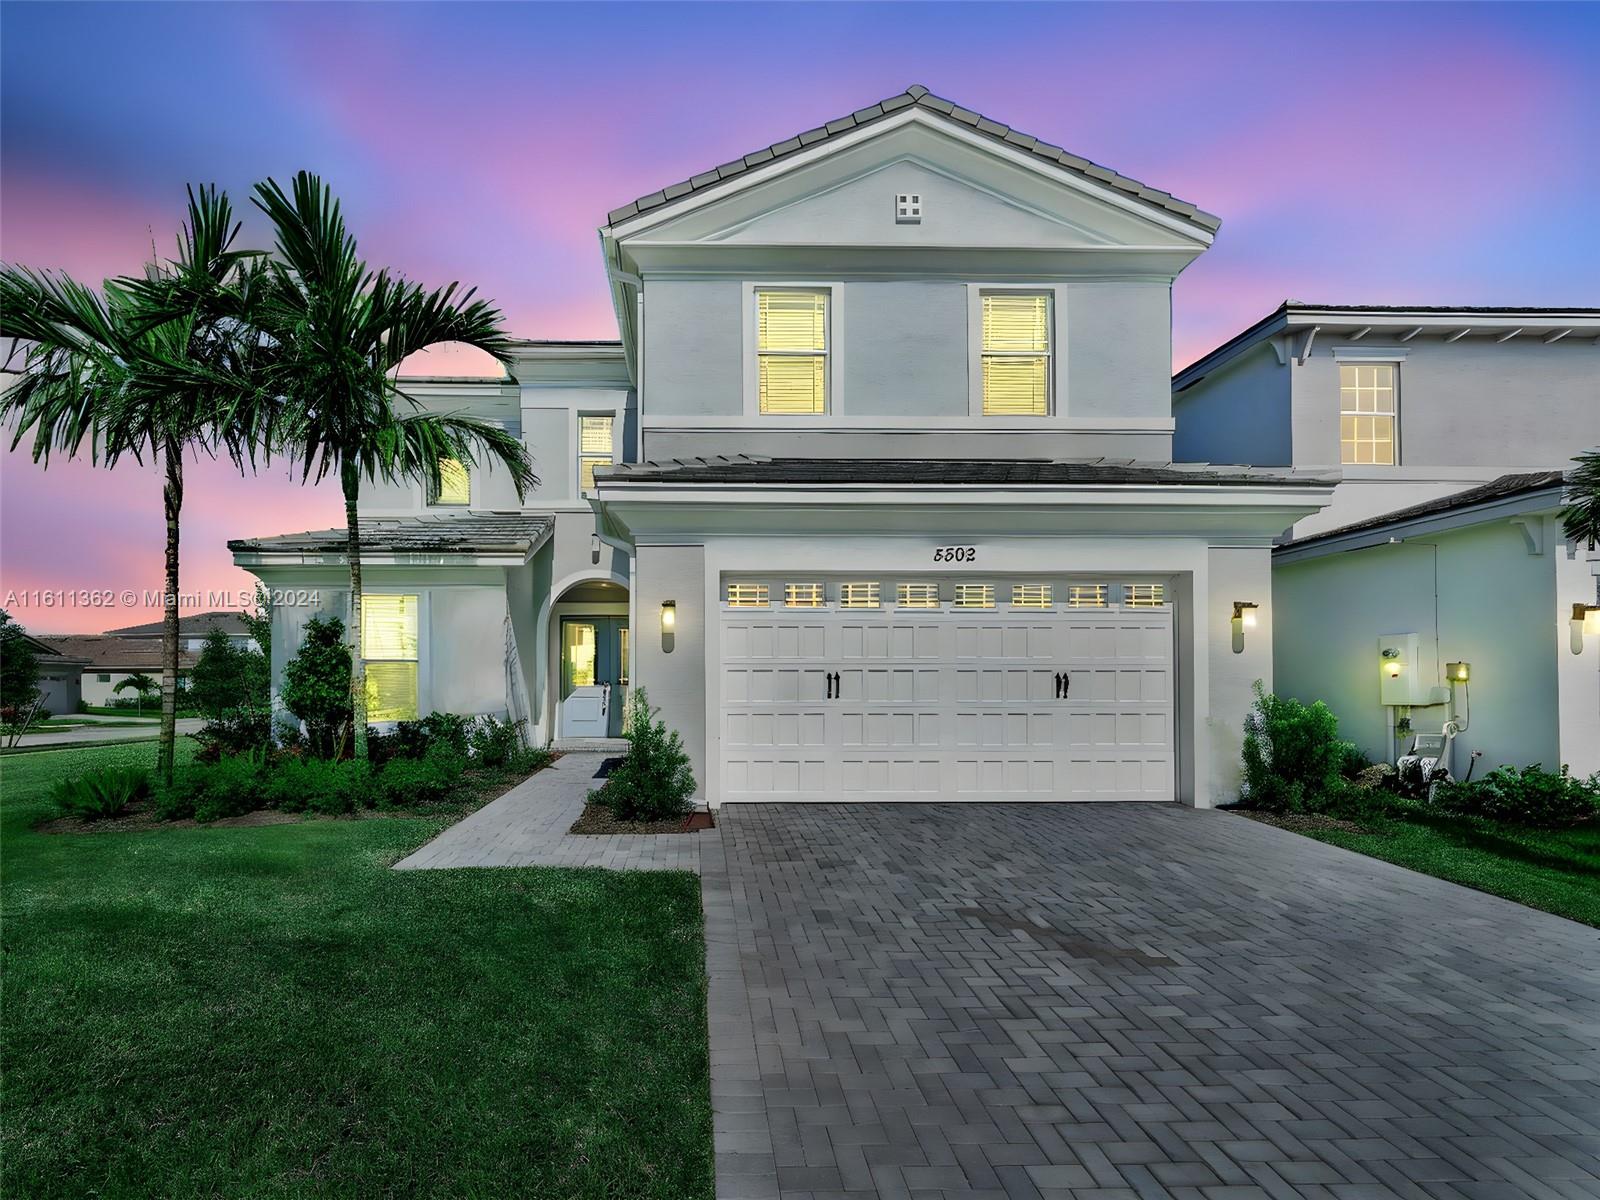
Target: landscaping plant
x=316 y=685
x=1531 y=797
x=654 y=780
x=107 y=792
x=227 y=677
x=141 y=685
x=1293 y=757
x=492 y=742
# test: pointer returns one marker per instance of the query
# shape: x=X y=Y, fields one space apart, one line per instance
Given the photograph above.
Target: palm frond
x=1580 y=519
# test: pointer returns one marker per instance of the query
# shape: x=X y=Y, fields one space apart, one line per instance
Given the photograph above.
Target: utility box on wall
x=1403 y=677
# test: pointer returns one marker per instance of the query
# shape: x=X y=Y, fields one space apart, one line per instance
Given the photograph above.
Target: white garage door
x=1066 y=694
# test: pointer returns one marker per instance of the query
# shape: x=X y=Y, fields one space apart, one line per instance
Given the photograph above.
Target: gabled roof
x=1525 y=484
x=894 y=472
x=470 y=533
x=199 y=625
x=917 y=96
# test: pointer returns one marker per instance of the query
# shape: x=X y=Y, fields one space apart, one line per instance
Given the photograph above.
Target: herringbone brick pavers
x=1100 y=1001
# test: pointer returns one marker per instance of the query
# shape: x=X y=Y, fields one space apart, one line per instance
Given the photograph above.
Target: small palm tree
x=154 y=365
x=141 y=685
x=339 y=333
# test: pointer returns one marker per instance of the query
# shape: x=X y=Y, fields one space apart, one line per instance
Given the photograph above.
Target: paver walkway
x=1118 y=1001
x=527 y=827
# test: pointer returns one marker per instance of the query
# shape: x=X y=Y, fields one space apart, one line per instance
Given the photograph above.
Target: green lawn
x=1554 y=870
x=271 y=1011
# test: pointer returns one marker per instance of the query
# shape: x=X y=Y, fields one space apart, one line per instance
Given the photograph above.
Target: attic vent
x=908 y=208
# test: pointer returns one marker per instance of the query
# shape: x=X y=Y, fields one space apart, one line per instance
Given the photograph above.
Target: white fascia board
x=250 y=559
x=635 y=225
x=887 y=261
x=1545 y=501
x=843 y=423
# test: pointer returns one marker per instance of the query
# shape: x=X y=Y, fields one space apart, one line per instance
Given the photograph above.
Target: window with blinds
x=858 y=595
x=1367 y=414
x=917 y=595
x=1016 y=354
x=1144 y=595
x=802 y=595
x=974 y=595
x=1086 y=595
x=594 y=447
x=454 y=486
x=792 y=352
x=1032 y=595
x=747 y=595
x=389 y=653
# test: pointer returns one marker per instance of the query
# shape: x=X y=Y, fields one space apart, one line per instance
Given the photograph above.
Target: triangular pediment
x=845 y=192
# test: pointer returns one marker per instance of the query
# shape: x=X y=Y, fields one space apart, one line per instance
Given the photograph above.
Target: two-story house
x=875 y=495
x=1451 y=427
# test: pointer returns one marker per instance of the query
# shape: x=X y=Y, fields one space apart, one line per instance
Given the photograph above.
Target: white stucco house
x=876 y=493
x=1451 y=428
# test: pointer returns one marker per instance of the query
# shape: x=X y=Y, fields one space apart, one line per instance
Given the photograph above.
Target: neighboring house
x=1410 y=404
x=193 y=631
x=107 y=661
x=59 y=683
x=874 y=494
x=1443 y=543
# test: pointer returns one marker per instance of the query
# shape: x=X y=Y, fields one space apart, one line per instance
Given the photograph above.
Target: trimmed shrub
x=654 y=781
x=316 y=685
x=1293 y=758
x=1531 y=796
x=230 y=787
x=237 y=731
x=107 y=792
x=492 y=742
x=415 y=781
x=525 y=760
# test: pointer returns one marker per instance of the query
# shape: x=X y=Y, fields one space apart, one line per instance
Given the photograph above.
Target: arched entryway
x=589 y=659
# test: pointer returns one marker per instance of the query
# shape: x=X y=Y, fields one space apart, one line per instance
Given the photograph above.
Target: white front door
x=594 y=676
x=1002 y=703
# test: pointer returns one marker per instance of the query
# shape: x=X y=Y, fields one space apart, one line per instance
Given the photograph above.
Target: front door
x=594 y=676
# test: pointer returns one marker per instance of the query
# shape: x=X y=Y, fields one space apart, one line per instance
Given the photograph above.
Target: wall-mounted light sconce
x=1585 y=622
x=594 y=548
x=1458 y=672
x=1244 y=617
x=669 y=625
x=1391 y=663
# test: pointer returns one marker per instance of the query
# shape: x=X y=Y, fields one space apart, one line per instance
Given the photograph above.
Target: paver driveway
x=1132 y=1000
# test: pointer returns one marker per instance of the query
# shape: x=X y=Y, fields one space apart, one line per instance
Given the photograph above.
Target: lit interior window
x=792 y=352
x=1032 y=595
x=1086 y=595
x=1366 y=414
x=594 y=447
x=747 y=595
x=389 y=648
x=455 y=484
x=1016 y=354
x=858 y=595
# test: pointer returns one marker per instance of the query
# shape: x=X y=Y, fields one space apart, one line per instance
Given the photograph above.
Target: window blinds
x=1016 y=354
x=792 y=352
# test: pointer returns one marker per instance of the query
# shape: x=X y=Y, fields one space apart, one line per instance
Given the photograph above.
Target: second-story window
x=1367 y=414
x=455 y=484
x=1016 y=354
x=792 y=351
x=594 y=447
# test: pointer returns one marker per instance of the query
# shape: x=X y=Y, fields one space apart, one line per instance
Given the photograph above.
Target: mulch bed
x=1305 y=822
x=597 y=818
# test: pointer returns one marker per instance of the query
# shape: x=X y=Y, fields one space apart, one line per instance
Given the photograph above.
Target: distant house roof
x=199 y=625
x=893 y=472
x=471 y=533
x=100 y=652
x=917 y=96
x=1496 y=491
x=1354 y=322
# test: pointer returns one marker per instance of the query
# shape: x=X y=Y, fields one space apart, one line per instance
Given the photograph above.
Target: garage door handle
x=827 y=678
x=837 y=692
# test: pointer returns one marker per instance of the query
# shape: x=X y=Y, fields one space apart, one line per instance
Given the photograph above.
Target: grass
x=273 y=1012
x=1557 y=871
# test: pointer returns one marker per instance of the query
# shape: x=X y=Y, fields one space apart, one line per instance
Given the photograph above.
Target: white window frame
x=577 y=442
x=752 y=350
x=1341 y=361
x=1058 y=350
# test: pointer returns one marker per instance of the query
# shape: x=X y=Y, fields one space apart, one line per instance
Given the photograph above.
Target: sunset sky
x=1368 y=153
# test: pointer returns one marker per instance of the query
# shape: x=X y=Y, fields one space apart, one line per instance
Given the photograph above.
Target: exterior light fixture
x=1458 y=672
x=1585 y=622
x=1244 y=617
x=669 y=615
x=1391 y=663
x=594 y=548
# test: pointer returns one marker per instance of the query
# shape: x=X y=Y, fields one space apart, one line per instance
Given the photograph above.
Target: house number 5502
x=964 y=554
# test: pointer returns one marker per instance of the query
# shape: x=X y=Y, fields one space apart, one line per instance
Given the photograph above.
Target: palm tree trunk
x=172 y=499
x=350 y=477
